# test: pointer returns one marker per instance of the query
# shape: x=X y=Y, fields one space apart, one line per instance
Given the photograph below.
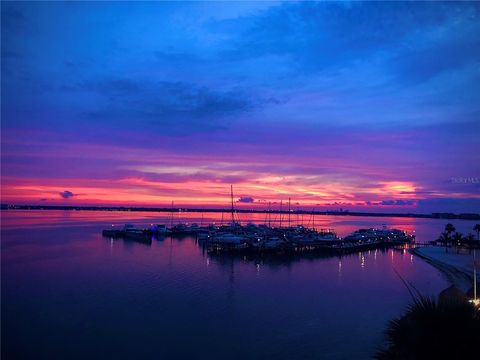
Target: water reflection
x=157 y=296
x=111 y=246
x=288 y=261
x=425 y=229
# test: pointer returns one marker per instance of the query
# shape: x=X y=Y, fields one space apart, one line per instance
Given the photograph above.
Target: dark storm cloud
x=440 y=55
x=11 y=55
x=320 y=35
x=171 y=106
x=14 y=23
x=170 y=96
x=13 y=19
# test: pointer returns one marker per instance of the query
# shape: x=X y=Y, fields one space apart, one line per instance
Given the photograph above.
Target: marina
x=235 y=237
x=252 y=238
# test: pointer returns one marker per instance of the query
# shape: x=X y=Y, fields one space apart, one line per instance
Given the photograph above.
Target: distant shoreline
x=220 y=210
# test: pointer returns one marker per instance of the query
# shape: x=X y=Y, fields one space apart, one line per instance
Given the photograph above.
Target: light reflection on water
x=69 y=293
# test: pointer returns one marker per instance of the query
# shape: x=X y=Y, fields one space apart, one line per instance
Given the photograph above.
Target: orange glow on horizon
x=139 y=191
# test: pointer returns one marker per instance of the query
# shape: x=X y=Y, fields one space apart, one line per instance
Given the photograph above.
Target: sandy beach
x=457 y=267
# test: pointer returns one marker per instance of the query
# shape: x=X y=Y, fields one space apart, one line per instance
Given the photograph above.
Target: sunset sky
x=362 y=106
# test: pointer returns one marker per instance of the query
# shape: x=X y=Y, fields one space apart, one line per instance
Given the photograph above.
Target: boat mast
x=281 y=203
x=231 y=196
x=288 y=212
x=269 y=214
x=313 y=217
x=266 y=218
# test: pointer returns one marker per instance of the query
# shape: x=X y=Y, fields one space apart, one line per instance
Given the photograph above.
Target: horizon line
x=433 y=215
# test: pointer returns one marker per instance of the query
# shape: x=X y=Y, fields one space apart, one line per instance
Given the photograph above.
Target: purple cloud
x=397 y=202
x=66 y=194
x=246 y=199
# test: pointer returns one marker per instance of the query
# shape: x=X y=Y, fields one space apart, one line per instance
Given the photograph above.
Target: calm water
x=69 y=293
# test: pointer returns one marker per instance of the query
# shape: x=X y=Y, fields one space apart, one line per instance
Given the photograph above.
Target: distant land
x=465 y=216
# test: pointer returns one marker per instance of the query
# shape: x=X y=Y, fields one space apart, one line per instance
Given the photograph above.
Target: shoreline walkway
x=457 y=267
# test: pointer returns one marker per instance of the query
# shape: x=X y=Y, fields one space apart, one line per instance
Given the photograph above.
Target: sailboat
x=231 y=236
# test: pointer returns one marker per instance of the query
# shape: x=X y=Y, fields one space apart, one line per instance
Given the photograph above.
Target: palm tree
x=477 y=229
x=469 y=240
x=445 y=239
x=420 y=333
x=449 y=229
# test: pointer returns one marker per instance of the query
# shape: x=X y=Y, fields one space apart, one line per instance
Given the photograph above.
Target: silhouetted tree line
x=451 y=237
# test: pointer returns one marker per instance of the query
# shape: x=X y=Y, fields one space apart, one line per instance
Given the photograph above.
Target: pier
x=263 y=239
